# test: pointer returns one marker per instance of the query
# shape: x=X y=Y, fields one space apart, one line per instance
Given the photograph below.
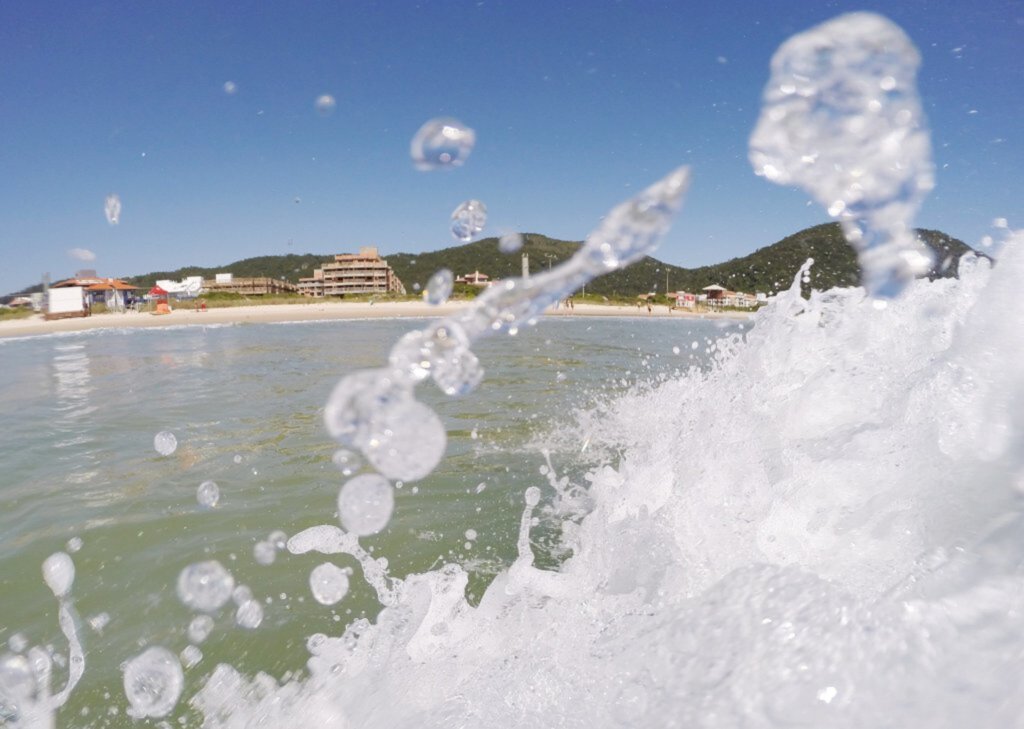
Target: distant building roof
x=714 y=287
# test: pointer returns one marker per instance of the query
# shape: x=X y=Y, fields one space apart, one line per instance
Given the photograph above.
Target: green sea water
x=245 y=405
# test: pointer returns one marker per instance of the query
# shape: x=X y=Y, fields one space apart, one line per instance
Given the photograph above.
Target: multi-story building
x=353 y=273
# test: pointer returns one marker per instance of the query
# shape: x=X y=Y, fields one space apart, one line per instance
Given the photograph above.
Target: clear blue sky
x=575 y=105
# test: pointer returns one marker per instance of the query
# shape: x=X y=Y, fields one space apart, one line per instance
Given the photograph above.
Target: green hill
x=768 y=269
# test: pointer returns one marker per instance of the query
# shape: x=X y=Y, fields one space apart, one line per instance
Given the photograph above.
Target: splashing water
x=112 y=209
x=442 y=143
x=439 y=287
x=842 y=119
x=823 y=529
x=468 y=219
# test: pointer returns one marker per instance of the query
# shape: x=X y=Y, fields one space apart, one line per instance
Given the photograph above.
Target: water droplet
x=471 y=534
x=190 y=655
x=230 y=87
x=408 y=440
x=16 y=678
x=328 y=583
x=264 y=553
x=468 y=219
x=165 y=443
x=112 y=209
x=439 y=287
x=152 y=683
x=510 y=242
x=675 y=350
x=442 y=143
x=278 y=538
x=325 y=104
x=205 y=586
x=365 y=504
x=532 y=496
x=17 y=643
x=249 y=615
x=59 y=573
x=74 y=544
x=241 y=594
x=99 y=622
x=346 y=461
x=238 y=459
x=208 y=494
x=200 y=628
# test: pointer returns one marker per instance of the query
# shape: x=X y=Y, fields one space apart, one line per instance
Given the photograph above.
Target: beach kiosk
x=159 y=295
x=66 y=301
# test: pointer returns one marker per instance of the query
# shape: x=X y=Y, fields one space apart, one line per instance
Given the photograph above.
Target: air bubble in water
x=264 y=553
x=249 y=615
x=165 y=443
x=325 y=104
x=208 y=494
x=152 y=683
x=442 y=143
x=510 y=242
x=200 y=628
x=365 y=504
x=205 y=586
x=112 y=209
x=468 y=219
x=328 y=583
x=59 y=573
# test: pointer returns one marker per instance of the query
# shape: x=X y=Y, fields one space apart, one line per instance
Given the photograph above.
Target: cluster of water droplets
x=842 y=119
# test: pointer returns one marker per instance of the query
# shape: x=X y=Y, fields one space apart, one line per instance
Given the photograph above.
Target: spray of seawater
x=823 y=530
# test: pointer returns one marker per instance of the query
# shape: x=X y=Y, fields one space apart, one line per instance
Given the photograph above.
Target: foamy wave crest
x=828 y=532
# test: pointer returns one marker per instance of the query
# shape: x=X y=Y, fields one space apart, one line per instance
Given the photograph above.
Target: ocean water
x=245 y=405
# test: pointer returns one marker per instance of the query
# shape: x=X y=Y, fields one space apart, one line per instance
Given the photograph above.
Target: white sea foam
x=824 y=530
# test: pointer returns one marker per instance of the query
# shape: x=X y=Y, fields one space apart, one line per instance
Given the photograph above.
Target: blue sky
x=576 y=105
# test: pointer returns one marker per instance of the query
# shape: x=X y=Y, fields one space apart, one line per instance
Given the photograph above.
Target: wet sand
x=313 y=311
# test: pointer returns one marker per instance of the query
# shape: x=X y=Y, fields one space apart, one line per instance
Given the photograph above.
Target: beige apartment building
x=352 y=273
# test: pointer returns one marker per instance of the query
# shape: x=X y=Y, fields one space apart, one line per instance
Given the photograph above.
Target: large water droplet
x=365 y=504
x=468 y=219
x=442 y=143
x=205 y=586
x=439 y=287
x=112 y=209
x=408 y=441
x=59 y=573
x=165 y=443
x=842 y=119
x=328 y=583
x=208 y=494
x=152 y=683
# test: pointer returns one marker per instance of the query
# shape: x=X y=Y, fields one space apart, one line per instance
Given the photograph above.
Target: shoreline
x=313 y=311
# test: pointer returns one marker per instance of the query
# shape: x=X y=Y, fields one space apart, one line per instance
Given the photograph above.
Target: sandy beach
x=313 y=311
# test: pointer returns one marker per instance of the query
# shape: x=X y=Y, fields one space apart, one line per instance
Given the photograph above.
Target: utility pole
x=666 y=280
